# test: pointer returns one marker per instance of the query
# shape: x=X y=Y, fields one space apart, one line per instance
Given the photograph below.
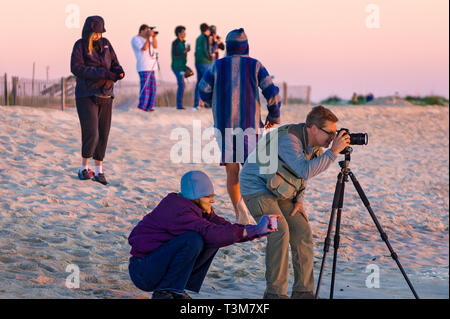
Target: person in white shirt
x=144 y=45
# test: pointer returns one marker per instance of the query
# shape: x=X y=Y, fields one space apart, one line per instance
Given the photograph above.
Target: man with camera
x=144 y=45
x=215 y=42
x=279 y=190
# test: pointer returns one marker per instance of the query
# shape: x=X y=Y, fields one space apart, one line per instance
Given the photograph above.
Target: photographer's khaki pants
x=292 y=230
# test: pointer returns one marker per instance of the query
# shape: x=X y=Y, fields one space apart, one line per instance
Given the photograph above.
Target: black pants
x=95 y=119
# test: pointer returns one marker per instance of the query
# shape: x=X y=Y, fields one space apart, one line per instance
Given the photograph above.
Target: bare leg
x=232 y=170
x=84 y=161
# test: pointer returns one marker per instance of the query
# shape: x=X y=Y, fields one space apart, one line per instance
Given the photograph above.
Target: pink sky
x=323 y=43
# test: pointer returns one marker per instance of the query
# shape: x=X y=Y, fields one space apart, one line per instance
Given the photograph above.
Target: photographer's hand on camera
x=340 y=142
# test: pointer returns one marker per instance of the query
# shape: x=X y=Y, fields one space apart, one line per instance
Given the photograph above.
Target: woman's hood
x=93 y=24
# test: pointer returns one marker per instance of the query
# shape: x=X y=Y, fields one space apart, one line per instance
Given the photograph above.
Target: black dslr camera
x=151 y=28
x=355 y=138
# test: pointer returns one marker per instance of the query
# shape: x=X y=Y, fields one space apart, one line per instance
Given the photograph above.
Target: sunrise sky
x=337 y=47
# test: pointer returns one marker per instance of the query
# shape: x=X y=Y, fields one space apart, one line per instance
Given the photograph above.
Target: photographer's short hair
x=143 y=27
x=319 y=115
x=179 y=29
x=204 y=27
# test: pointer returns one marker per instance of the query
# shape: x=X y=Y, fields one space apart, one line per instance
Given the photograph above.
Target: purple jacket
x=176 y=215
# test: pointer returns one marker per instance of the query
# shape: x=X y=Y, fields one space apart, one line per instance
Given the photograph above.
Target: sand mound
x=390 y=100
x=50 y=220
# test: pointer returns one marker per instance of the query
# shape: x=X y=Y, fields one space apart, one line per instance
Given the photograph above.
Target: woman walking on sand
x=95 y=65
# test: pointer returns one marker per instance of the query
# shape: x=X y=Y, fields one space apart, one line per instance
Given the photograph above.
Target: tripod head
x=347 y=151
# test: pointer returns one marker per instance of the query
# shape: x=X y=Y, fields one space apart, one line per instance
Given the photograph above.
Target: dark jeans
x=181 y=263
x=181 y=85
x=95 y=120
x=201 y=69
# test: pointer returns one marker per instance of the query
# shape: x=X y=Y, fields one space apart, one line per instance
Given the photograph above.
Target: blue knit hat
x=196 y=184
x=237 y=43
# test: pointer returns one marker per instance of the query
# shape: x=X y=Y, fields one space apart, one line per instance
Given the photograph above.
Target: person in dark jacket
x=179 y=60
x=173 y=246
x=95 y=65
x=203 y=59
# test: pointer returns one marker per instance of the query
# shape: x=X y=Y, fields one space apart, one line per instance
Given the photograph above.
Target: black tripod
x=338 y=202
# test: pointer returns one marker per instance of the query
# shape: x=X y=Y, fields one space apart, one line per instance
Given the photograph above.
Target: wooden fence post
x=6 y=89
x=63 y=93
x=308 y=96
x=15 y=81
x=285 y=93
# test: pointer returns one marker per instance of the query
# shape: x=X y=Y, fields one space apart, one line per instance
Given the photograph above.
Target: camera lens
x=359 y=139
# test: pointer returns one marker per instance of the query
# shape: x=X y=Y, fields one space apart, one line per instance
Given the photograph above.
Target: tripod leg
x=337 y=237
x=381 y=231
x=327 y=242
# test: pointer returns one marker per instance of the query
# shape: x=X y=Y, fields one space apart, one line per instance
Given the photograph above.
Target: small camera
x=273 y=223
x=154 y=31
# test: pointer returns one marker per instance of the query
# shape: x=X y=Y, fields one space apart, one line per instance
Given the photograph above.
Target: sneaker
x=162 y=294
x=302 y=295
x=181 y=108
x=85 y=174
x=100 y=178
x=194 y=109
x=274 y=296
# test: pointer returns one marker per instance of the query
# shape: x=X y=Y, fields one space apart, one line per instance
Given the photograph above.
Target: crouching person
x=173 y=246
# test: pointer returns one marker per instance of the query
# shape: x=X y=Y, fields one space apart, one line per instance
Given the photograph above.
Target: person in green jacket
x=179 y=60
x=203 y=58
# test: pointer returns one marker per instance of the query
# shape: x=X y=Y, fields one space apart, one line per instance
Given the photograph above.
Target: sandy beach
x=49 y=219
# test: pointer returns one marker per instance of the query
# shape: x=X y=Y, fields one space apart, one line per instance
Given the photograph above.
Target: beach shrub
x=428 y=100
x=333 y=100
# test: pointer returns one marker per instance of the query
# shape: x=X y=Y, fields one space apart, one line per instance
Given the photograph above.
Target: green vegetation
x=428 y=100
x=334 y=100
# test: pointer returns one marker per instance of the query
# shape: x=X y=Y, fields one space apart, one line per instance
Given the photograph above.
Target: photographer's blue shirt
x=290 y=149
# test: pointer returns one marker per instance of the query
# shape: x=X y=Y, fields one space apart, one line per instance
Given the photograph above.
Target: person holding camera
x=173 y=246
x=231 y=87
x=96 y=67
x=144 y=45
x=203 y=58
x=269 y=188
x=215 y=43
x=179 y=60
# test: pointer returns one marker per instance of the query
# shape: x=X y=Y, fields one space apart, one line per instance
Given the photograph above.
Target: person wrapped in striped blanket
x=230 y=87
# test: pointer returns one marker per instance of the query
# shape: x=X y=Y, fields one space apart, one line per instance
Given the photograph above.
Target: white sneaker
x=194 y=109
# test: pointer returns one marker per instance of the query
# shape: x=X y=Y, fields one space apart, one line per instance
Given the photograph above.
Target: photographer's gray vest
x=285 y=183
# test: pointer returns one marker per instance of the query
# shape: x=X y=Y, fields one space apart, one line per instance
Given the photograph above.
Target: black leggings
x=95 y=119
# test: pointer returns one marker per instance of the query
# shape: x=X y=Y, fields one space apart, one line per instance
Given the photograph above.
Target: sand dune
x=49 y=219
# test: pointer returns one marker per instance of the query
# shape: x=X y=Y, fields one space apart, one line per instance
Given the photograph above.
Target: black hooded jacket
x=95 y=73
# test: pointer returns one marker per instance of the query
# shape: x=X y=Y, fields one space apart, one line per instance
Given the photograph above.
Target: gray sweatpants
x=292 y=230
